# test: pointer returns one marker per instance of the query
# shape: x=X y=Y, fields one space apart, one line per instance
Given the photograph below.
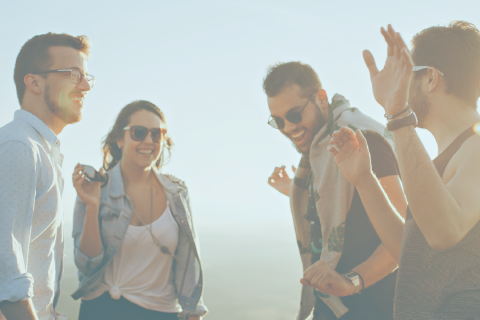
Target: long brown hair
x=111 y=152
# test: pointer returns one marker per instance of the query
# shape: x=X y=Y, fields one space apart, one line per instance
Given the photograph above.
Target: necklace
x=163 y=248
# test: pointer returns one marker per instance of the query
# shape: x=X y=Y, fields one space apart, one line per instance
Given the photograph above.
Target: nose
x=84 y=85
x=289 y=127
x=148 y=138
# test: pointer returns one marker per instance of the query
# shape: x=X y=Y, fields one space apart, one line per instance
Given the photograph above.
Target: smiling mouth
x=145 y=151
x=78 y=98
x=297 y=137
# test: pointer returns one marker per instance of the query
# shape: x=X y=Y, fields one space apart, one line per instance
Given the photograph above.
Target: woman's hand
x=89 y=192
x=280 y=180
x=351 y=154
x=390 y=85
x=325 y=279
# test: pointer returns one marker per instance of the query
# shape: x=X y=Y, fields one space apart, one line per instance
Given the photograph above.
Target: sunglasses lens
x=90 y=172
x=139 y=133
x=277 y=123
x=156 y=134
x=295 y=117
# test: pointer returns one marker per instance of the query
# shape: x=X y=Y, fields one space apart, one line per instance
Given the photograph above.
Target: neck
x=448 y=119
x=42 y=112
x=134 y=175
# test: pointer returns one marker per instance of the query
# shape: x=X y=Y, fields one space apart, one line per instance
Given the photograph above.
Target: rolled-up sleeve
x=17 y=200
x=85 y=264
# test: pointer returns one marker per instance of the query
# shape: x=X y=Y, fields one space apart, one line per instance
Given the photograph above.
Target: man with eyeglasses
x=435 y=87
x=348 y=272
x=52 y=82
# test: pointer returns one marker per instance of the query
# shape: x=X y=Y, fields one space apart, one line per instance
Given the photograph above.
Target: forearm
x=20 y=310
x=388 y=223
x=432 y=205
x=90 y=240
x=378 y=266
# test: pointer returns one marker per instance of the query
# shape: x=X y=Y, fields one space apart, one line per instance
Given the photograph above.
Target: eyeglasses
x=418 y=68
x=139 y=133
x=292 y=116
x=76 y=76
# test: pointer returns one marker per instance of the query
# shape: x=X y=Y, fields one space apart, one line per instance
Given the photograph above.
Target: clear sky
x=202 y=63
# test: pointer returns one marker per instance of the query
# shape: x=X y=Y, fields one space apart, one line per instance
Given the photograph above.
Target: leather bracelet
x=396 y=115
x=405 y=121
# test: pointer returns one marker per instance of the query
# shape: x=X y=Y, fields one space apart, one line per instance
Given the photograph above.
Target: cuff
x=87 y=263
x=199 y=311
x=17 y=288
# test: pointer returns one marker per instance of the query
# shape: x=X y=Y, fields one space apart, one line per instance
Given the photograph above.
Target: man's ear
x=433 y=79
x=322 y=100
x=34 y=83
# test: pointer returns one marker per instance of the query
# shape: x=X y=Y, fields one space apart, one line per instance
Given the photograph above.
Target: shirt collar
x=38 y=125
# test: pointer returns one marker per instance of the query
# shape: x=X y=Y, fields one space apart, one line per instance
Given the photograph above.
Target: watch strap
x=404 y=121
x=356 y=280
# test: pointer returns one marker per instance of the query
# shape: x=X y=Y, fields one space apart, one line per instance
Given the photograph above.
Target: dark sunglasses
x=292 y=116
x=139 y=133
x=92 y=175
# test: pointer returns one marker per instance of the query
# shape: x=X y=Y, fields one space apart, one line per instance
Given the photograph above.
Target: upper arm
x=17 y=200
x=385 y=167
x=465 y=184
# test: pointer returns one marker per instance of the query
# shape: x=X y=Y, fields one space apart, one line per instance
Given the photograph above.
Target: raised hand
x=280 y=180
x=89 y=192
x=325 y=279
x=390 y=85
x=351 y=154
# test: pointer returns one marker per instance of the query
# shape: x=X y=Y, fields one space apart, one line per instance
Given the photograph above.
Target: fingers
x=407 y=58
x=389 y=41
x=370 y=62
x=294 y=169
x=361 y=141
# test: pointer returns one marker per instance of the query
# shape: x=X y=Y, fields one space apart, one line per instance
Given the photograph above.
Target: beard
x=60 y=111
x=319 y=123
x=418 y=102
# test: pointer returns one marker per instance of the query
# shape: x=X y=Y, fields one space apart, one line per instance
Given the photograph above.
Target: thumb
x=294 y=169
x=361 y=141
x=305 y=282
x=370 y=62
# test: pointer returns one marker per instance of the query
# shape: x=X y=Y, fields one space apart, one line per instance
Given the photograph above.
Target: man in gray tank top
x=435 y=87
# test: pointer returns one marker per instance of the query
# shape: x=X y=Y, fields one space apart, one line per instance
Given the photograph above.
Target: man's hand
x=325 y=279
x=20 y=310
x=390 y=85
x=280 y=180
x=351 y=154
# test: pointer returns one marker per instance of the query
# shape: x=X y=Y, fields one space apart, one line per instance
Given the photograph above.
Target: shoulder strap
x=444 y=158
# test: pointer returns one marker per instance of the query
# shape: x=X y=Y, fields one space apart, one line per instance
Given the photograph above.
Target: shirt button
x=312 y=222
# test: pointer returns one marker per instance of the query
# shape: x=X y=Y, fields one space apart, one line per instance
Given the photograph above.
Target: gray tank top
x=433 y=284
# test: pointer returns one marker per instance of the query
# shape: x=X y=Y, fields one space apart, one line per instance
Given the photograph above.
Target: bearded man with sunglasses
x=52 y=82
x=341 y=253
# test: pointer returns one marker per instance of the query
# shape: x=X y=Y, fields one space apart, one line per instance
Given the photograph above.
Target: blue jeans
x=104 y=307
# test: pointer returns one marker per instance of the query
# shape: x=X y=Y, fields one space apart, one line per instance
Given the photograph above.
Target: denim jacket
x=114 y=217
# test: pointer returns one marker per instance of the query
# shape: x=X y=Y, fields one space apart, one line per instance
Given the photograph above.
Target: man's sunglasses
x=139 y=133
x=76 y=76
x=292 y=116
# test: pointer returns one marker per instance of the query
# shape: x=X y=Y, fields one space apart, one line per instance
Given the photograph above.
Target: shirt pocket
x=108 y=217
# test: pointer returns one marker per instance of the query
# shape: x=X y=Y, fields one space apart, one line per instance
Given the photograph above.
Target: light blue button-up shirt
x=31 y=213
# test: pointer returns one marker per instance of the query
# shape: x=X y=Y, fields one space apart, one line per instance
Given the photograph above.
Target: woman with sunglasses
x=135 y=246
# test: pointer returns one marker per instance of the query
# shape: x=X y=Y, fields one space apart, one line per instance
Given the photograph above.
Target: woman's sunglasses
x=139 y=133
x=292 y=116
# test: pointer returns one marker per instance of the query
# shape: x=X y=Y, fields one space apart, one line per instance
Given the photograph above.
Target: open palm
x=390 y=85
x=351 y=154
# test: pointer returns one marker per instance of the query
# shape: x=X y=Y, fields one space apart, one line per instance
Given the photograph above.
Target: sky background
x=202 y=63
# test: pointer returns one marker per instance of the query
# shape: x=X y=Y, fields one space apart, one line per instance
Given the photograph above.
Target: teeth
x=297 y=135
x=78 y=99
x=145 y=151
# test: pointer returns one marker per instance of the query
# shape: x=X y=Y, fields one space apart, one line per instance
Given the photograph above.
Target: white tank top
x=140 y=271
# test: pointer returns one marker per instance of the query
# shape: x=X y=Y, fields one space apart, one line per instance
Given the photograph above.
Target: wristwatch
x=404 y=121
x=356 y=279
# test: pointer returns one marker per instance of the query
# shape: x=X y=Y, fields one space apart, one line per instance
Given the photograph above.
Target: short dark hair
x=453 y=49
x=283 y=75
x=34 y=55
x=111 y=152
